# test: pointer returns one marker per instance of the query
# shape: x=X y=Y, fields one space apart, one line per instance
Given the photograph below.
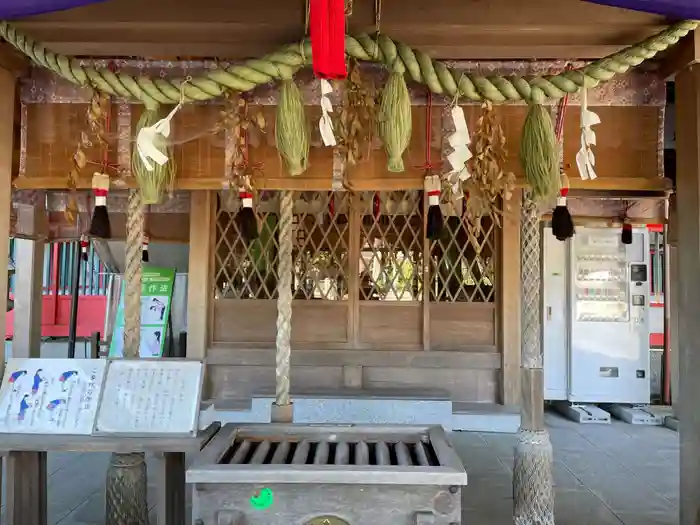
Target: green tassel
x=395 y=120
x=291 y=130
x=152 y=184
x=538 y=153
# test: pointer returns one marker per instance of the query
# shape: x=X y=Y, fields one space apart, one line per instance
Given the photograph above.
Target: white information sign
x=50 y=396
x=146 y=397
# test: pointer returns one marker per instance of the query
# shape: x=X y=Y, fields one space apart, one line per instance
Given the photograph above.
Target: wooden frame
x=357 y=323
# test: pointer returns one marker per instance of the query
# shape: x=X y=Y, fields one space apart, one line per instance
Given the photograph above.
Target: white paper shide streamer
x=459 y=141
x=325 y=125
x=147 y=137
x=585 y=158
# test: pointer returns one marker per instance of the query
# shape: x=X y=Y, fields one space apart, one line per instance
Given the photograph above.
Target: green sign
x=156 y=297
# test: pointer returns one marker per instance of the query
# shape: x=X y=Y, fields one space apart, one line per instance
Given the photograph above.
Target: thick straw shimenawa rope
x=284 y=298
x=436 y=75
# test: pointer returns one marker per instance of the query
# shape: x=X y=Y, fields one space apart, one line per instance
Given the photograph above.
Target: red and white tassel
x=246 y=219
x=84 y=246
x=99 y=225
x=435 y=220
x=562 y=224
x=144 y=249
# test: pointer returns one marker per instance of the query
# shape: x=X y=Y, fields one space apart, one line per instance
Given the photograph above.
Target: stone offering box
x=327 y=475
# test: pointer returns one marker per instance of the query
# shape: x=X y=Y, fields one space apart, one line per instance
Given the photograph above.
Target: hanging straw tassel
x=154 y=169
x=144 y=249
x=84 y=245
x=538 y=153
x=291 y=130
x=562 y=224
x=99 y=225
x=435 y=221
x=246 y=219
x=395 y=119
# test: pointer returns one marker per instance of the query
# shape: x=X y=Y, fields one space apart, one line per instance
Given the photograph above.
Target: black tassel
x=144 y=250
x=626 y=233
x=246 y=219
x=84 y=248
x=99 y=225
x=562 y=224
x=435 y=221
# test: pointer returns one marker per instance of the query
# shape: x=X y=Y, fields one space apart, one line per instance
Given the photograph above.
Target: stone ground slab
x=603 y=474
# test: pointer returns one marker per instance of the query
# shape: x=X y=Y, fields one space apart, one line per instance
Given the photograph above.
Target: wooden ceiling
x=448 y=29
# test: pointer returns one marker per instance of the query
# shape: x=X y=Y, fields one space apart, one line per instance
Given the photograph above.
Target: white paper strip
x=585 y=158
x=146 y=141
x=325 y=124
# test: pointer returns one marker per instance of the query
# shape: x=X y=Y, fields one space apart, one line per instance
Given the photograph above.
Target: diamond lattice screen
x=463 y=265
x=391 y=241
x=249 y=270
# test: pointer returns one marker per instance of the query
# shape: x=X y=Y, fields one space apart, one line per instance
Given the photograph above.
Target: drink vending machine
x=596 y=317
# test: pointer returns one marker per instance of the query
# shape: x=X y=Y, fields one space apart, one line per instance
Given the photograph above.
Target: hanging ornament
x=626 y=236
x=435 y=221
x=376 y=206
x=585 y=159
x=152 y=137
x=325 y=124
x=459 y=141
x=327 y=28
x=99 y=224
x=562 y=224
x=246 y=219
x=148 y=139
x=84 y=245
x=144 y=249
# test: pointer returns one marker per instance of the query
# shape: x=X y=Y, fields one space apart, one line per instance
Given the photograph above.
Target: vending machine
x=596 y=317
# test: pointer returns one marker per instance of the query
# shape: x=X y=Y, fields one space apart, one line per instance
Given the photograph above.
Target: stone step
x=377 y=406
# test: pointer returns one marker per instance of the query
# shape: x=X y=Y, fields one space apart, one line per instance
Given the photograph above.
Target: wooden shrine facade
x=375 y=303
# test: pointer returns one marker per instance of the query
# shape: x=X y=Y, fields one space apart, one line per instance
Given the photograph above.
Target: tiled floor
x=604 y=475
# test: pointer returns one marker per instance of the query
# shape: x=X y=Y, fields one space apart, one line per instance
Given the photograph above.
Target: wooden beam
x=688 y=202
x=302 y=183
x=680 y=56
x=497 y=29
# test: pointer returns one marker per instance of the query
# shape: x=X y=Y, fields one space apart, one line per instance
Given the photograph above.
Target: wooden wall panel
x=255 y=321
x=627 y=141
x=250 y=321
x=319 y=322
x=469 y=377
x=241 y=382
x=627 y=151
x=457 y=326
x=476 y=386
x=387 y=325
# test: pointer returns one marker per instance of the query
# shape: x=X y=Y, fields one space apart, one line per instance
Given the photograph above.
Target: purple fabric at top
x=681 y=9
x=21 y=8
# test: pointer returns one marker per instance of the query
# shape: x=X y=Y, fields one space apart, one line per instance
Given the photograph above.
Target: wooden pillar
x=199 y=279
x=29 y=277
x=509 y=301
x=7 y=118
x=671 y=295
x=688 y=202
